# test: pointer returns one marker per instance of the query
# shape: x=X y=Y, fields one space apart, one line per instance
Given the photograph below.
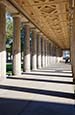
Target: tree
x=9 y=27
x=9 y=34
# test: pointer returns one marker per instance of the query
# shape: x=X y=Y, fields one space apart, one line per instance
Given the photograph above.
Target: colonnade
x=2 y=41
x=43 y=50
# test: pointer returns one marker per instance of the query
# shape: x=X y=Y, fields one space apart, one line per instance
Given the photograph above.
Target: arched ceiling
x=50 y=16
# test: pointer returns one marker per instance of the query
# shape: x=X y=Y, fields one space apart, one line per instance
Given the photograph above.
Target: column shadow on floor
x=40 y=80
x=38 y=91
x=9 y=106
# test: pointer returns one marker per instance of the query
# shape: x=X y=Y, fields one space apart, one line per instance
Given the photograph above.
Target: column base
x=34 y=69
x=16 y=74
x=27 y=71
x=39 y=67
x=2 y=78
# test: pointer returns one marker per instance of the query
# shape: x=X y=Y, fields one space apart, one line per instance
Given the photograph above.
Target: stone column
x=61 y=54
x=16 y=46
x=39 y=50
x=34 y=49
x=49 y=53
x=46 y=53
x=58 y=54
x=72 y=44
x=2 y=41
x=53 y=53
x=27 y=56
x=43 y=52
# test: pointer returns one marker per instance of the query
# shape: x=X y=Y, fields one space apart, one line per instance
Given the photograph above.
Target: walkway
x=46 y=91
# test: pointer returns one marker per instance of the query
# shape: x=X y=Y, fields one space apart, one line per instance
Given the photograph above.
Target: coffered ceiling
x=50 y=16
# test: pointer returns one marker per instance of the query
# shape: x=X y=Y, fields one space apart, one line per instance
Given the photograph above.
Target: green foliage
x=9 y=33
x=9 y=67
x=9 y=27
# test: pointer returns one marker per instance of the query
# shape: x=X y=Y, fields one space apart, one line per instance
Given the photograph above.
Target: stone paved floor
x=47 y=91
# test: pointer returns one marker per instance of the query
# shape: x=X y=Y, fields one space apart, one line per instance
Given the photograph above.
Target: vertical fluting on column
x=58 y=54
x=34 y=49
x=16 y=46
x=51 y=49
x=43 y=52
x=49 y=53
x=53 y=53
x=2 y=41
x=39 y=50
x=27 y=56
x=46 y=52
x=55 y=57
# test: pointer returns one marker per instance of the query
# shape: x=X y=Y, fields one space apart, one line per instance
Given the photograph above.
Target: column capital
x=14 y=15
x=39 y=34
x=37 y=30
x=25 y=23
x=33 y=29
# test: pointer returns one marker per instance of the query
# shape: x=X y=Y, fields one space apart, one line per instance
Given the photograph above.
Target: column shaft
x=43 y=52
x=34 y=50
x=72 y=45
x=27 y=64
x=16 y=46
x=2 y=41
x=39 y=50
x=53 y=53
x=50 y=53
x=46 y=54
x=58 y=54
